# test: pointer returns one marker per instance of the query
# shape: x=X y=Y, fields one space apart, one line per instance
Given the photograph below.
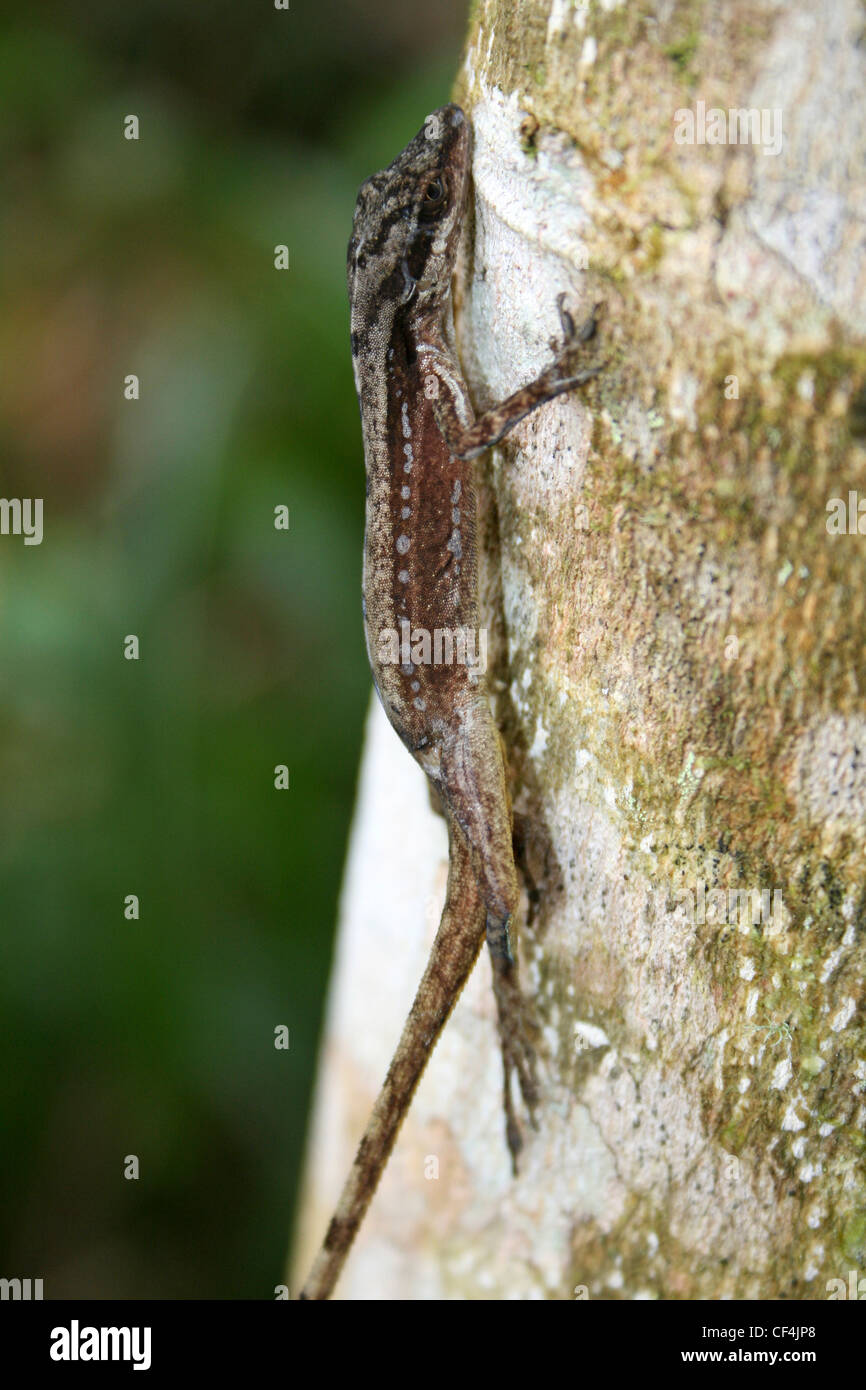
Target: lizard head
x=408 y=219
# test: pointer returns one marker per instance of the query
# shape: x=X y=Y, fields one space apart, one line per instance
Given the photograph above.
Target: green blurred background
x=156 y=777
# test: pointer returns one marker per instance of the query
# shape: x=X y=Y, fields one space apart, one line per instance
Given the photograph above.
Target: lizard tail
x=455 y=950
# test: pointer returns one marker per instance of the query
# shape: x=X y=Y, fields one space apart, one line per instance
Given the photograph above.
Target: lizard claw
x=566 y=322
x=571 y=336
x=569 y=366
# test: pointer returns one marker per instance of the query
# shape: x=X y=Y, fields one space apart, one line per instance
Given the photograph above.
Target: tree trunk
x=676 y=594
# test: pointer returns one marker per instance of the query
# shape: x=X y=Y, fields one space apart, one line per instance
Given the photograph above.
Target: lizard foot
x=517 y=1037
x=570 y=354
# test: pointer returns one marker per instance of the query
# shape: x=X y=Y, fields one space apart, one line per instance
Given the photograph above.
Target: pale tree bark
x=678 y=611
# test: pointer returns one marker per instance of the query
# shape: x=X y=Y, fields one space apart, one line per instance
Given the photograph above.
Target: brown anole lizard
x=420 y=433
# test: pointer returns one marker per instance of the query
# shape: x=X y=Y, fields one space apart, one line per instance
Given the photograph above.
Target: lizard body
x=420 y=435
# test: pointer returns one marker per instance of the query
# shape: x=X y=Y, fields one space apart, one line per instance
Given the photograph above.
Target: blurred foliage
x=156 y=777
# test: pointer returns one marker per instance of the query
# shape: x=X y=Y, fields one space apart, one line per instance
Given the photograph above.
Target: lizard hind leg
x=476 y=790
x=517 y=1033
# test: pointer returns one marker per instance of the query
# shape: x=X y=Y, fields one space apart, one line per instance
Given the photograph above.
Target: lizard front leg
x=467 y=439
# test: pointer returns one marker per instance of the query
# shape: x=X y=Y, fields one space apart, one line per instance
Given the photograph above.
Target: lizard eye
x=434 y=197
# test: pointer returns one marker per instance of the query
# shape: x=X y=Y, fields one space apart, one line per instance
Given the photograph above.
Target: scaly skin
x=420 y=434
